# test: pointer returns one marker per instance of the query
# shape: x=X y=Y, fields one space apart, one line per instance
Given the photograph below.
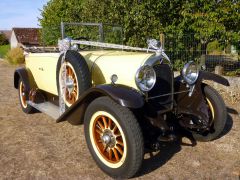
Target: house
x=25 y=36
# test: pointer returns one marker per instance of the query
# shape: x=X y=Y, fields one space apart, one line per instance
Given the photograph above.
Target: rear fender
x=123 y=95
x=23 y=74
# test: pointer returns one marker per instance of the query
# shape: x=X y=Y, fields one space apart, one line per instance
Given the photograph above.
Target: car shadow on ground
x=229 y=123
x=154 y=160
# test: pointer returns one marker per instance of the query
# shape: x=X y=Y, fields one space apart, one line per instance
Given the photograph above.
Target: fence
x=180 y=48
x=217 y=52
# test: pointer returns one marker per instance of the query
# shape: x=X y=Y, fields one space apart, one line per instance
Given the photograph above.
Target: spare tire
x=77 y=74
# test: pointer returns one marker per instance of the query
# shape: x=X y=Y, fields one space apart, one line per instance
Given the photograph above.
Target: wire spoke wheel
x=108 y=139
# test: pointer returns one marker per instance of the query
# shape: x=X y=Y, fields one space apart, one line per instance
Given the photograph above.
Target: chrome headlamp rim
x=184 y=72
x=153 y=78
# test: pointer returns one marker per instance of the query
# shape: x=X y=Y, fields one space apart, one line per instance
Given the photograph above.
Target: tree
x=54 y=13
x=3 y=39
x=206 y=19
x=211 y=19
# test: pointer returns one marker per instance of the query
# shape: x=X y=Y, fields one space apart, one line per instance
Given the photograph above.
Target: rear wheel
x=217 y=115
x=114 y=138
x=23 y=96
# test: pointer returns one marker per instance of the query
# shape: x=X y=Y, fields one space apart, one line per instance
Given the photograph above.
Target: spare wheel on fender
x=78 y=78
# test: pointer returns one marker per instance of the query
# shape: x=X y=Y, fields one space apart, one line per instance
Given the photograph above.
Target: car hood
x=103 y=64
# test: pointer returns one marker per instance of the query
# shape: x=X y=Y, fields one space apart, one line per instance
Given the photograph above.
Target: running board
x=47 y=108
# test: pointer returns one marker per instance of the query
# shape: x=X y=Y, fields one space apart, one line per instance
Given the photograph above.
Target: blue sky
x=20 y=13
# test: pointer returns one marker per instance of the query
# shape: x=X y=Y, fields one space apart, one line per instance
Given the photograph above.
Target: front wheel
x=114 y=138
x=217 y=114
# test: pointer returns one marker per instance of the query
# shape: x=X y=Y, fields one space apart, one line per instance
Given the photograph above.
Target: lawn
x=3 y=50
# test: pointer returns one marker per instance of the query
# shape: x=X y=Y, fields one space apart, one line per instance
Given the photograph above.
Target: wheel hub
x=70 y=84
x=108 y=138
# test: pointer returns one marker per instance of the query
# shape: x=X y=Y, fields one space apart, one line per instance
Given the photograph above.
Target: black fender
x=23 y=74
x=123 y=95
x=204 y=75
x=191 y=105
x=196 y=103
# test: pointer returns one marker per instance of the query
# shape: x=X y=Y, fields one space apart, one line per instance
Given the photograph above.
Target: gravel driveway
x=35 y=147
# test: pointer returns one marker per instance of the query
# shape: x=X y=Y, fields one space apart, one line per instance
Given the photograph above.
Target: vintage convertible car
x=127 y=98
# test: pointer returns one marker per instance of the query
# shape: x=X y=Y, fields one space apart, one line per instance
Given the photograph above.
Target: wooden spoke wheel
x=217 y=115
x=114 y=138
x=78 y=77
x=23 y=97
x=211 y=111
x=22 y=94
x=72 y=87
x=108 y=138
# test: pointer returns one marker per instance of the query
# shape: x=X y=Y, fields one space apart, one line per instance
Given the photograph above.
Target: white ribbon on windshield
x=64 y=46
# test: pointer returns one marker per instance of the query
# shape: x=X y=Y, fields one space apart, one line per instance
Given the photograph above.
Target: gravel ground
x=35 y=147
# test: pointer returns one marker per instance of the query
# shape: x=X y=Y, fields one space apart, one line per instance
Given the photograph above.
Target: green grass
x=3 y=50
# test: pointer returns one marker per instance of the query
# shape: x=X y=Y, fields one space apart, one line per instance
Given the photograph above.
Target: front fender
x=204 y=75
x=123 y=95
x=196 y=103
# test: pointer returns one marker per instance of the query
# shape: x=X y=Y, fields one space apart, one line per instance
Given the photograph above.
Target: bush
x=178 y=65
x=215 y=48
x=233 y=73
x=3 y=50
x=15 y=56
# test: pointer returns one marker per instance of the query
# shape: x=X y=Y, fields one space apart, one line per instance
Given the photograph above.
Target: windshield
x=93 y=32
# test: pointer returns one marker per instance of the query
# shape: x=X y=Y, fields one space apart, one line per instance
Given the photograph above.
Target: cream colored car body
x=102 y=65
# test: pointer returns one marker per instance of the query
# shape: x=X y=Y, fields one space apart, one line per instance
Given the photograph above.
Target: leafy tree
x=3 y=39
x=211 y=19
x=142 y=19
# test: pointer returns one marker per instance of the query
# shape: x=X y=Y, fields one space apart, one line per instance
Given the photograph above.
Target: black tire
x=23 y=97
x=218 y=114
x=81 y=70
x=130 y=159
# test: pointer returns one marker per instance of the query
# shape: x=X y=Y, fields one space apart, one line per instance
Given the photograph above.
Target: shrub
x=178 y=65
x=215 y=48
x=15 y=56
x=233 y=73
x=3 y=50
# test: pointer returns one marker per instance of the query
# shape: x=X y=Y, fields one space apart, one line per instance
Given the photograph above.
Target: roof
x=7 y=33
x=27 y=36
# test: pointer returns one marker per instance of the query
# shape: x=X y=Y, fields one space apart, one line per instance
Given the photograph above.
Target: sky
x=20 y=13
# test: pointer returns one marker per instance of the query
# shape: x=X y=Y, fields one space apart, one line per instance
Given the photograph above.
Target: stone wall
x=232 y=91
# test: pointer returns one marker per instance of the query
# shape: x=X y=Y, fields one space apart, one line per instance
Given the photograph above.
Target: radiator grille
x=164 y=85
